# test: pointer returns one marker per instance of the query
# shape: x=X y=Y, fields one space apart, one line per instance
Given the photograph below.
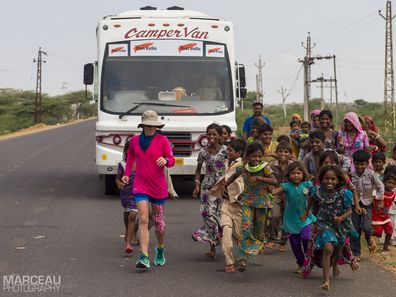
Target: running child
x=379 y=161
x=366 y=182
x=127 y=201
x=256 y=202
x=296 y=192
x=279 y=167
x=266 y=132
x=214 y=156
x=231 y=210
x=225 y=135
x=381 y=217
x=333 y=218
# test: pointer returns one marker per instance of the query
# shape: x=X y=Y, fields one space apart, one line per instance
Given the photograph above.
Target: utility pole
x=37 y=101
x=284 y=95
x=333 y=57
x=389 y=83
x=64 y=87
x=259 y=81
x=307 y=62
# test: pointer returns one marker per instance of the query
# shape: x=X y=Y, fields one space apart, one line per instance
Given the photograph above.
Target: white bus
x=177 y=62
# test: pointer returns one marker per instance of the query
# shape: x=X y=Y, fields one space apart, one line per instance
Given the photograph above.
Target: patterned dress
x=210 y=205
x=256 y=202
x=326 y=231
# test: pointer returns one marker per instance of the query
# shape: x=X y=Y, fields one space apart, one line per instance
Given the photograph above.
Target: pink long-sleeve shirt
x=149 y=177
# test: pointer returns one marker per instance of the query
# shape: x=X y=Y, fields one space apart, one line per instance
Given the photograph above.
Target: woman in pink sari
x=352 y=137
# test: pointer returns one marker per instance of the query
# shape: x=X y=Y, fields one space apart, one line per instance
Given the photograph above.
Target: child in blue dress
x=333 y=218
x=296 y=193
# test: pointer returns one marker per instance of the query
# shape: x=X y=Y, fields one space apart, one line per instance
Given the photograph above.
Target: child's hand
x=381 y=205
x=224 y=194
x=304 y=217
x=125 y=179
x=120 y=184
x=358 y=209
x=337 y=220
x=197 y=189
x=253 y=179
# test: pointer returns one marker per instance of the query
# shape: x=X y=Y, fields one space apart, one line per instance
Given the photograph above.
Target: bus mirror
x=88 y=74
x=243 y=92
x=242 y=76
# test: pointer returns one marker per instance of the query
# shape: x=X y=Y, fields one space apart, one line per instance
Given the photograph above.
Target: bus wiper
x=149 y=103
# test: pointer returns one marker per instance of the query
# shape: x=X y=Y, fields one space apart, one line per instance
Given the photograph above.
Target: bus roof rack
x=175 y=8
x=148 y=7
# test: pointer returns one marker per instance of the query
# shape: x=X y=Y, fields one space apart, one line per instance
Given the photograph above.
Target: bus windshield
x=186 y=85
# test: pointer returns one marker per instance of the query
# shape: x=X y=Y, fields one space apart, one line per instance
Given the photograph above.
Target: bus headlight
x=204 y=141
x=117 y=139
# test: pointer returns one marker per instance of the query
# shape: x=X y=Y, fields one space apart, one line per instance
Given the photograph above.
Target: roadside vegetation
x=17 y=109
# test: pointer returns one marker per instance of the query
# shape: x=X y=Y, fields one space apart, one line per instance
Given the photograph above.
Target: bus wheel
x=110 y=185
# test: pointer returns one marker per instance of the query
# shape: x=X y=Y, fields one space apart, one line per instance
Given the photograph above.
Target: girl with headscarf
x=377 y=143
x=315 y=119
x=352 y=137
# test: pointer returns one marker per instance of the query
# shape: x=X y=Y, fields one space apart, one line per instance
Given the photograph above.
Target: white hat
x=150 y=118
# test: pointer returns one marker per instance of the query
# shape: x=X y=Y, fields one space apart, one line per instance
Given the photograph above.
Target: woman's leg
x=327 y=252
x=143 y=213
x=159 y=223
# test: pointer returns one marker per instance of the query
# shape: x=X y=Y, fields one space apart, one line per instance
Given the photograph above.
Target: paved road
x=55 y=220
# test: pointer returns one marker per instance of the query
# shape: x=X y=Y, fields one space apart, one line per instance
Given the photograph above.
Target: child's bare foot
x=336 y=271
x=325 y=286
x=242 y=265
x=283 y=249
x=372 y=246
x=355 y=266
x=128 y=248
x=212 y=252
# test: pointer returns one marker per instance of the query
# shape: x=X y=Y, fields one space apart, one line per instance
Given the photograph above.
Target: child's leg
x=274 y=221
x=260 y=223
x=327 y=252
x=355 y=241
x=143 y=213
x=367 y=228
x=247 y=237
x=295 y=243
x=387 y=241
x=227 y=243
x=336 y=256
x=159 y=223
x=131 y=226
x=125 y=215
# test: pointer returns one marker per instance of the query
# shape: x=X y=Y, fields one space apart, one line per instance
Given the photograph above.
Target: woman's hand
x=161 y=161
x=196 y=191
x=125 y=179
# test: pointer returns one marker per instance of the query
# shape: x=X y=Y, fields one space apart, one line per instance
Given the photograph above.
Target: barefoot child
x=214 y=156
x=279 y=167
x=333 y=218
x=127 y=201
x=296 y=198
x=231 y=210
x=366 y=182
x=381 y=217
x=255 y=200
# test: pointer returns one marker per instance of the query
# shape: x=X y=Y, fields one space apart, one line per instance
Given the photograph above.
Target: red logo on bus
x=142 y=46
x=214 y=50
x=187 y=46
x=118 y=49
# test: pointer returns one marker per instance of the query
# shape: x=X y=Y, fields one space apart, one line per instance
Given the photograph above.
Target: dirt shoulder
x=38 y=128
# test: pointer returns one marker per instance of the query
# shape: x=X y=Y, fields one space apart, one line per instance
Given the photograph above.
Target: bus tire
x=110 y=185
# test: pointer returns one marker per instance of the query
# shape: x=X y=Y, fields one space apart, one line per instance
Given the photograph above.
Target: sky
x=350 y=29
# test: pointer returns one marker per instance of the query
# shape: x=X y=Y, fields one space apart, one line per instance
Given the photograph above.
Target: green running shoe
x=143 y=263
x=159 y=259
